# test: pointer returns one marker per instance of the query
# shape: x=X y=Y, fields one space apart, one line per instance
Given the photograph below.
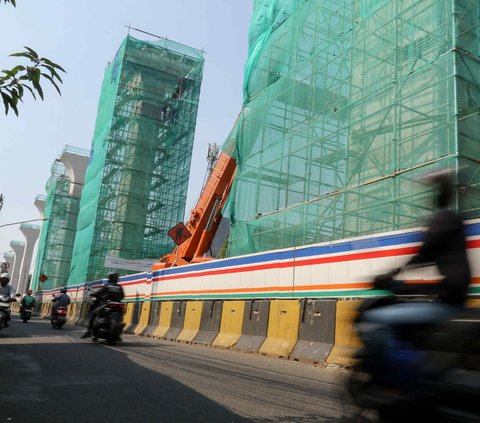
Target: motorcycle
x=4 y=310
x=26 y=313
x=442 y=386
x=107 y=323
x=59 y=317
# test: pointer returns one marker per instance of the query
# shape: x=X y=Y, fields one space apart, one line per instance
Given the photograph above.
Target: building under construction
x=137 y=179
x=346 y=105
x=60 y=208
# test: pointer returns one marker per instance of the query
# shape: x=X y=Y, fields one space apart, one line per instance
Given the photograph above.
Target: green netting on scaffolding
x=55 y=245
x=137 y=179
x=346 y=105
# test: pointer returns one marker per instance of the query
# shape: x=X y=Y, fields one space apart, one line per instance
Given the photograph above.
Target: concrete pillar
x=10 y=259
x=40 y=204
x=18 y=248
x=75 y=161
x=31 y=233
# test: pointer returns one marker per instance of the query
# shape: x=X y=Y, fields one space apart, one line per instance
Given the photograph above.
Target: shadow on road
x=76 y=382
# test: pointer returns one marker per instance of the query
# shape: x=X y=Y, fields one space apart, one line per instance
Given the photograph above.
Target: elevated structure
x=346 y=104
x=75 y=161
x=39 y=203
x=31 y=233
x=137 y=179
x=18 y=248
x=60 y=207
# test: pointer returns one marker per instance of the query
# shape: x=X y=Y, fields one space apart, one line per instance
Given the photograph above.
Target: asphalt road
x=49 y=375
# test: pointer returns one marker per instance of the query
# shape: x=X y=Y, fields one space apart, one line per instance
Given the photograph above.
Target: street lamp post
x=23 y=221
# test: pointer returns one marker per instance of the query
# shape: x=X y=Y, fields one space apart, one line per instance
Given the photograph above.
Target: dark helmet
x=63 y=290
x=442 y=180
x=4 y=279
x=113 y=277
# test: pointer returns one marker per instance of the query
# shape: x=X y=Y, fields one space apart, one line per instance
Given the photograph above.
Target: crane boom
x=205 y=217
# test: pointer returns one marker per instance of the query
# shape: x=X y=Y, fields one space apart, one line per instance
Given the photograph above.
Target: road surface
x=49 y=375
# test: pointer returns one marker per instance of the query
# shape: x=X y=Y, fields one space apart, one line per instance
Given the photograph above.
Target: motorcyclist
x=7 y=291
x=111 y=291
x=60 y=300
x=28 y=300
x=444 y=245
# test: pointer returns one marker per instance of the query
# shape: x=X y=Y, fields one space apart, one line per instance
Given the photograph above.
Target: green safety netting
x=346 y=106
x=55 y=244
x=137 y=179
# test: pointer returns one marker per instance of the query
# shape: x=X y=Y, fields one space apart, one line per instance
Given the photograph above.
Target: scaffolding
x=137 y=179
x=346 y=104
x=55 y=245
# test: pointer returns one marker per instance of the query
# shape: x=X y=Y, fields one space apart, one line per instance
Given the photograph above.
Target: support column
x=76 y=162
x=31 y=233
x=18 y=248
x=40 y=204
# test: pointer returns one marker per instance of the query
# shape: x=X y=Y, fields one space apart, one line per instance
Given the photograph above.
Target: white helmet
x=4 y=277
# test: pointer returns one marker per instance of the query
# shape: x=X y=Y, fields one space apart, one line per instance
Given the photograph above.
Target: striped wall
x=341 y=269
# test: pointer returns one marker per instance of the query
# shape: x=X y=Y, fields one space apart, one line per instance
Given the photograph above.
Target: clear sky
x=82 y=36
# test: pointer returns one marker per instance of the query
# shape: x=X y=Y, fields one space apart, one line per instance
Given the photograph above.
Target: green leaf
x=53 y=72
x=36 y=75
x=6 y=102
x=31 y=91
x=33 y=52
x=23 y=54
x=54 y=65
x=53 y=82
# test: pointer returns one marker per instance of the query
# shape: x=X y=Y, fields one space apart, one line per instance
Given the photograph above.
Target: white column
x=40 y=204
x=76 y=162
x=18 y=248
x=31 y=233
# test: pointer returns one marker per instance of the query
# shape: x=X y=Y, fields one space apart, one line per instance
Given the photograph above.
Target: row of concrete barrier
x=319 y=331
x=309 y=330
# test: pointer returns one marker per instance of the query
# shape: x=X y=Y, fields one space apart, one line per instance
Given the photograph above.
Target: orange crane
x=204 y=218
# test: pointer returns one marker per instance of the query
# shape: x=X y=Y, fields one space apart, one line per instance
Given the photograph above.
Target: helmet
x=4 y=279
x=63 y=290
x=113 y=277
x=442 y=180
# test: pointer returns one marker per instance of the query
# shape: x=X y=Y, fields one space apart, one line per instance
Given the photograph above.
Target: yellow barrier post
x=231 y=324
x=191 y=324
x=165 y=319
x=128 y=315
x=144 y=317
x=346 y=339
x=283 y=324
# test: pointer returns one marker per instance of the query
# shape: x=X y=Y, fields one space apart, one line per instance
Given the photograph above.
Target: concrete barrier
x=78 y=311
x=128 y=315
x=254 y=327
x=316 y=333
x=346 y=339
x=191 y=324
x=83 y=315
x=166 y=311
x=47 y=311
x=143 y=319
x=72 y=308
x=137 y=307
x=282 y=332
x=153 y=318
x=209 y=323
x=231 y=324
x=178 y=317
